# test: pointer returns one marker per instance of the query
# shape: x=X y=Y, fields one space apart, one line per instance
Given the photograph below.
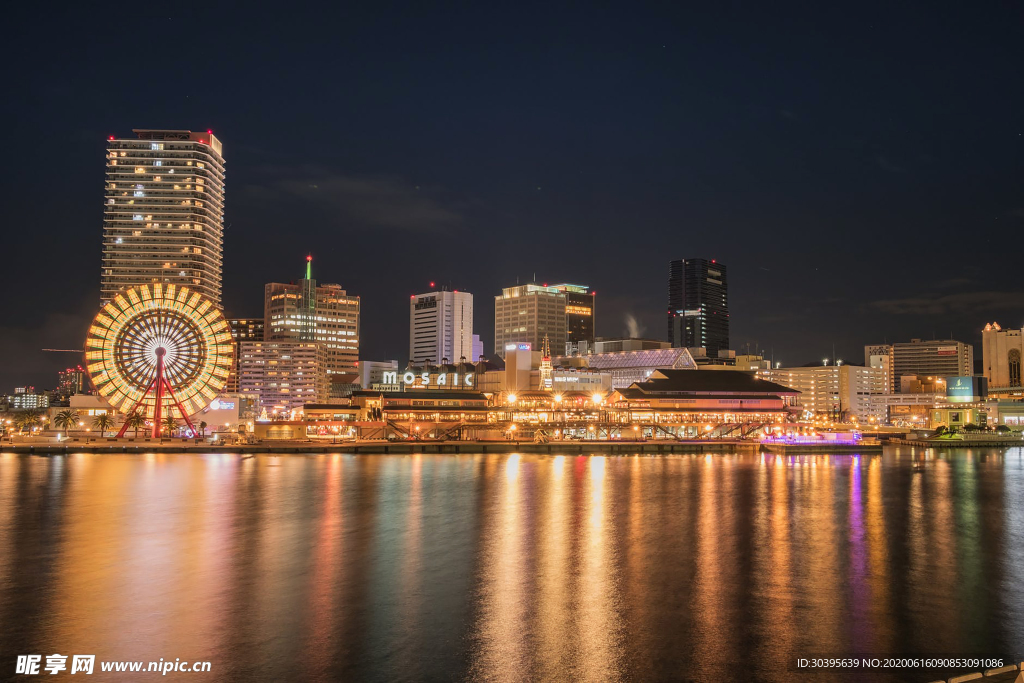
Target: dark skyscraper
x=698 y=306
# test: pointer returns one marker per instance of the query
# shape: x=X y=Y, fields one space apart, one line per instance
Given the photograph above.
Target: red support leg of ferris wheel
x=124 y=427
x=158 y=385
x=160 y=382
x=181 y=411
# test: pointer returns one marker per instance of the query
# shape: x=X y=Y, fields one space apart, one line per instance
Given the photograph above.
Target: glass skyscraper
x=698 y=305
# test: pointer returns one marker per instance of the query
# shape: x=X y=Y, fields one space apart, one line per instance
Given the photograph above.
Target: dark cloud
x=963 y=303
x=64 y=330
x=889 y=166
x=364 y=200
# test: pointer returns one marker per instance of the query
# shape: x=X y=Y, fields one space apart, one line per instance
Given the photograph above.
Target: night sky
x=857 y=168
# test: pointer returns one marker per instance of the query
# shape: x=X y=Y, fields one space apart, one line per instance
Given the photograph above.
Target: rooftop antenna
x=309 y=267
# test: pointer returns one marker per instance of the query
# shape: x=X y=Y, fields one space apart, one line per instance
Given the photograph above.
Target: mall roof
x=705 y=382
x=645 y=358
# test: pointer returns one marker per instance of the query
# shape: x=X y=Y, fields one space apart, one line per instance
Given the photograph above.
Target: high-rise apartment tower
x=164 y=215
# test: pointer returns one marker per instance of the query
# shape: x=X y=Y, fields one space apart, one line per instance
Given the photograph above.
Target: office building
x=527 y=314
x=1001 y=353
x=881 y=356
x=935 y=357
x=698 y=306
x=164 y=214
x=284 y=375
x=242 y=330
x=478 y=348
x=837 y=392
x=441 y=327
x=306 y=311
x=580 y=306
x=246 y=329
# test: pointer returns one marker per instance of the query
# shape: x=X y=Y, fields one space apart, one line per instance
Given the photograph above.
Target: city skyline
x=787 y=185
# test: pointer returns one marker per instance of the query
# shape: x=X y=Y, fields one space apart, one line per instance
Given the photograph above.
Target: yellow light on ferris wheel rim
x=194 y=318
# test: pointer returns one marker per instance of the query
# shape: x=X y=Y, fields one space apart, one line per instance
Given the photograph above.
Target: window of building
x=1013 y=361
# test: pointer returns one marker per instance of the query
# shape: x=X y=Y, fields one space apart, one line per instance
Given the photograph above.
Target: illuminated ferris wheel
x=159 y=350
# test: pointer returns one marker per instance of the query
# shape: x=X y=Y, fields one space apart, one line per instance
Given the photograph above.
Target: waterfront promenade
x=398 y=447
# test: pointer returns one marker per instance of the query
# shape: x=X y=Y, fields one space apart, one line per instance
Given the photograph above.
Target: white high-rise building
x=441 y=326
x=164 y=215
x=839 y=391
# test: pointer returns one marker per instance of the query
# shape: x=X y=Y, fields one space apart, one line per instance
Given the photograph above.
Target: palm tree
x=66 y=420
x=103 y=422
x=202 y=428
x=136 y=421
x=27 y=420
x=170 y=424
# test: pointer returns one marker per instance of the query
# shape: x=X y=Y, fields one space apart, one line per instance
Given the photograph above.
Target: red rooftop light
x=111 y=137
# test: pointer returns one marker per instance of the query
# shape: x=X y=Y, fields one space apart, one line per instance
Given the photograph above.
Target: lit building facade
x=527 y=371
x=881 y=356
x=1001 y=353
x=839 y=392
x=527 y=314
x=935 y=357
x=26 y=398
x=371 y=372
x=242 y=329
x=283 y=375
x=70 y=382
x=441 y=327
x=306 y=311
x=702 y=403
x=580 y=309
x=164 y=212
x=698 y=305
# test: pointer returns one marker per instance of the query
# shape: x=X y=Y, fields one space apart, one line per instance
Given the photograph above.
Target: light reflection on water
x=516 y=567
